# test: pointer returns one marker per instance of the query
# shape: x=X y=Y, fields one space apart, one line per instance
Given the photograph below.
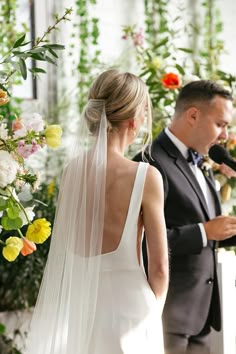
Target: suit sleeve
x=179 y=240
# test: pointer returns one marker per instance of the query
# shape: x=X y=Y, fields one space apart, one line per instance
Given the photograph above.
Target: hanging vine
x=86 y=30
x=207 y=42
x=8 y=35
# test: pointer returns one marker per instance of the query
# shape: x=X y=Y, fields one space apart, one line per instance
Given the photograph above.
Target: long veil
x=63 y=318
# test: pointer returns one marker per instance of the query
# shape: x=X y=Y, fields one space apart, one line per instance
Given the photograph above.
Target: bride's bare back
x=119 y=184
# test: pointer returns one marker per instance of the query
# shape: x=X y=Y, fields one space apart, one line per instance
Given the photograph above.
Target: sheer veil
x=63 y=318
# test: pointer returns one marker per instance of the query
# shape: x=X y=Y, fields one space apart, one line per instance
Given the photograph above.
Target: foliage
x=27 y=272
x=15 y=60
x=167 y=66
x=7 y=345
x=18 y=142
x=10 y=32
x=86 y=29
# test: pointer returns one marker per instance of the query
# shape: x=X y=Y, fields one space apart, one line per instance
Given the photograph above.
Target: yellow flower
x=225 y=192
x=38 y=231
x=12 y=249
x=53 y=135
x=51 y=188
x=3 y=97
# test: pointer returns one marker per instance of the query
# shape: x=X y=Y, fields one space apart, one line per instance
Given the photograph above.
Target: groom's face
x=213 y=122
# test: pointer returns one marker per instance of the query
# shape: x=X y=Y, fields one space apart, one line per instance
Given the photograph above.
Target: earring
x=134 y=131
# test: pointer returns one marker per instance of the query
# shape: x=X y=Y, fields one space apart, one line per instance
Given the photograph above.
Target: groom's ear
x=192 y=115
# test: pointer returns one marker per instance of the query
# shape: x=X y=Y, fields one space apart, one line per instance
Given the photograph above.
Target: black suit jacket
x=193 y=295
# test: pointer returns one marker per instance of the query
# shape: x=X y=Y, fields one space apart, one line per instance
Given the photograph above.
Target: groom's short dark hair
x=200 y=91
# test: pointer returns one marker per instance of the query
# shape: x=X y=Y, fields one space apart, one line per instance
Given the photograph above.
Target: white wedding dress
x=127 y=318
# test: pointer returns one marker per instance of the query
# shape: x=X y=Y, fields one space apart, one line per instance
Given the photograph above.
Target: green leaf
x=37 y=56
x=49 y=60
x=20 y=54
x=19 y=41
x=54 y=46
x=186 y=50
x=37 y=70
x=13 y=212
x=53 y=52
x=7 y=60
x=4 y=89
x=11 y=224
x=3 y=204
x=161 y=43
x=23 y=68
x=180 y=69
x=37 y=50
x=22 y=45
x=2 y=328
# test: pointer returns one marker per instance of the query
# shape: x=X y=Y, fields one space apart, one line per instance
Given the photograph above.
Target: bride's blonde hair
x=123 y=96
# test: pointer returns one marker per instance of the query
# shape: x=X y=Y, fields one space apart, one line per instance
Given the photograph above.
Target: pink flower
x=138 y=38
x=25 y=150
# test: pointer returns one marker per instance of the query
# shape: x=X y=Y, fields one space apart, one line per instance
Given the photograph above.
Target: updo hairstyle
x=122 y=95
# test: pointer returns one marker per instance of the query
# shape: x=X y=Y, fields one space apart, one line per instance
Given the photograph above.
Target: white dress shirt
x=200 y=178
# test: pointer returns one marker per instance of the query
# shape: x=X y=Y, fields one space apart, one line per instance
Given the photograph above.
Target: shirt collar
x=180 y=146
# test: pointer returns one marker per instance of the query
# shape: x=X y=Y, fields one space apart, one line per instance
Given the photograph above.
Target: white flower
x=25 y=194
x=221 y=179
x=35 y=123
x=8 y=169
x=30 y=214
x=3 y=131
x=20 y=132
x=217 y=185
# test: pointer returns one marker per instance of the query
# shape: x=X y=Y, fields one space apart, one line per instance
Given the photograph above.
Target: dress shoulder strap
x=137 y=193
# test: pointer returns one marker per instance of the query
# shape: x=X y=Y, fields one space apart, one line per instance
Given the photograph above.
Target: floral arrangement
x=25 y=137
x=20 y=139
x=224 y=175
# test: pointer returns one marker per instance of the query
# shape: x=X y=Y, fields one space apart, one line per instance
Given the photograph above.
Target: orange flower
x=231 y=142
x=28 y=247
x=3 y=97
x=171 y=81
x=17 y=124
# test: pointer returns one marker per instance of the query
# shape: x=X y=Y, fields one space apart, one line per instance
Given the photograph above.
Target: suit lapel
x=183 y=166
x=211 y=183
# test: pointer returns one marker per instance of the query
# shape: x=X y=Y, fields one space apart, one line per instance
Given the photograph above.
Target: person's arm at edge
x=155 y=231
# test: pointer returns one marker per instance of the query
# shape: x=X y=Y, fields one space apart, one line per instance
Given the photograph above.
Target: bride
x=95 y=297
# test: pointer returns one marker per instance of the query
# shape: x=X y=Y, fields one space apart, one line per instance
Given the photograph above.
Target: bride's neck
x=117 y=143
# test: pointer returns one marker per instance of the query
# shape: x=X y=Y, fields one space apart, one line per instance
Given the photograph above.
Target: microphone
x=220 y=155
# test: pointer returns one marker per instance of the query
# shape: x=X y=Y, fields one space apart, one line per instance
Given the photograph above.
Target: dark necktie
x=194 y=157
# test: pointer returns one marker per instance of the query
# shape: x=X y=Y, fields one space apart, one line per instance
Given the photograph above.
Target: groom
x=192 y=211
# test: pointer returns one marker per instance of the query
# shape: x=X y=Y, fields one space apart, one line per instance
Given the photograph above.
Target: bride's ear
x=132 y=123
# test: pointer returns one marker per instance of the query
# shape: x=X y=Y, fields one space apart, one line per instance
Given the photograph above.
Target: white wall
x=228 y=14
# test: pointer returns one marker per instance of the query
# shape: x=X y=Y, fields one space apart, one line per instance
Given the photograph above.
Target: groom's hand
x=220 y=228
